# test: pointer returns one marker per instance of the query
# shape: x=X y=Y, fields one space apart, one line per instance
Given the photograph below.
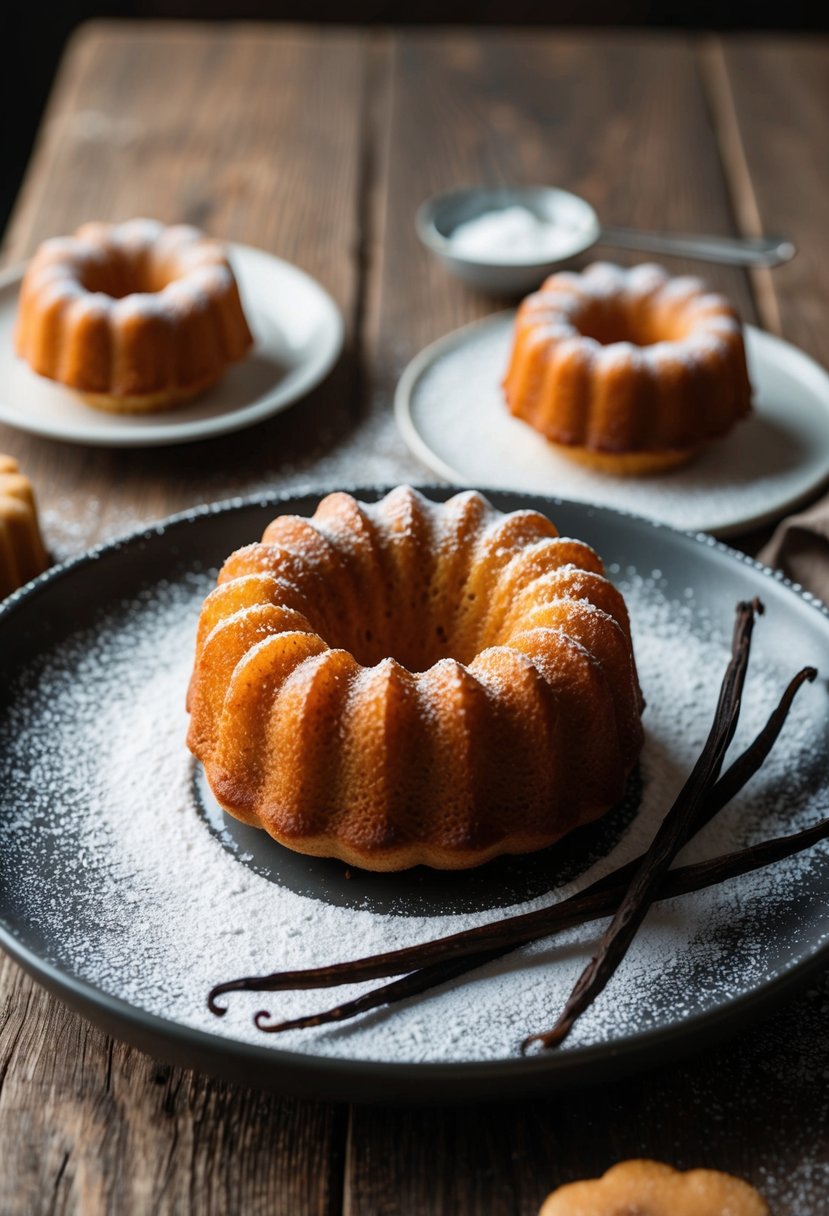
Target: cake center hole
x=611 y=321
x=417 y=627
x=124 y=273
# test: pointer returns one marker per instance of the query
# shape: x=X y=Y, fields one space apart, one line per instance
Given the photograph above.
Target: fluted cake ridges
x=627 y=370
x=412 y=682
x=136 y=316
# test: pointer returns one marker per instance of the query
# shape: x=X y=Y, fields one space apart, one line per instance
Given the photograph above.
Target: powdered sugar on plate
x=450 y=407
x=117 y=876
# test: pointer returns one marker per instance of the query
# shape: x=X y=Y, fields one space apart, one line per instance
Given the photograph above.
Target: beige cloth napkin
x=800 y=548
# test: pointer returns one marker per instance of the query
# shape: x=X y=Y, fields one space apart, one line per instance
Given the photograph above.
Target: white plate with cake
x=740 y=471
x=297 y=335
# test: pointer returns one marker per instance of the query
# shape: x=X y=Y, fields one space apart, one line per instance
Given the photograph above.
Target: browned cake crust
x=647 y=1188
x=628 y=371
x=22 y=555
x=135 y=317
x=410 y=682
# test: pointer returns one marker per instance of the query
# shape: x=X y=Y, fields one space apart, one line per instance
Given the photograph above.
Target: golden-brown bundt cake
x=647 y=1188
x=22 y=555
x=135 y=316
x=413 y=682
x=628 y=371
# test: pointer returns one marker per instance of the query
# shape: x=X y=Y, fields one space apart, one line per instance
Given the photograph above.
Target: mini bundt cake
x=135 y=317
x=627 y=371
x=648 y=1188
x=22 y=555
x=414 y=682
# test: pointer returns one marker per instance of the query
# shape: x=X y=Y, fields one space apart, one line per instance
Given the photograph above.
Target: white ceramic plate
x=298 y=332
x=450 y=408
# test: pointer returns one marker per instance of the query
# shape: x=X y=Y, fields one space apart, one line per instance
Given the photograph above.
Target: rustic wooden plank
x=771 y=101
x=89 y=1126
x=755 y=1107
x=212 y=125
x=773 y=141
x=621 y=119
x=256 y=133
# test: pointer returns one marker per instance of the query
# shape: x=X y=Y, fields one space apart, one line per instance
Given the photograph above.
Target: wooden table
x=318 y=146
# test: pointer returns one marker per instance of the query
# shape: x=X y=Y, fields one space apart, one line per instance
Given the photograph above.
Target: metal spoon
x=571 y=217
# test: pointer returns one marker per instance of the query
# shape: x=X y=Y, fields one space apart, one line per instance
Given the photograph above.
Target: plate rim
x=420 y=363
x=163 y=434
x=331 y=1077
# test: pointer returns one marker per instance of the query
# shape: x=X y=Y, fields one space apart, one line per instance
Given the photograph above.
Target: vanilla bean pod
x=672 y=834
x=501 y=936
x=736 y=775
x=681 y=881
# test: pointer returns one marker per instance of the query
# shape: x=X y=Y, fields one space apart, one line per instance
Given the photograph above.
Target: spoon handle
x=734 y=250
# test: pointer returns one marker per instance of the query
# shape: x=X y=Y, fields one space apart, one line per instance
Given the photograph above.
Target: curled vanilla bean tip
x=260 y=1017
x=218 y=1010
x=222 y=989
x=247 y=983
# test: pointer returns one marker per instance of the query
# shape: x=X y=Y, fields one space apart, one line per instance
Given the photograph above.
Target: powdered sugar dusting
x=102 y=807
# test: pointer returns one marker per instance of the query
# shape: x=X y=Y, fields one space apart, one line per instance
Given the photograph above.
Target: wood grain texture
x=621 y=119
x=756 y=1107
x=771 y=97
x=89 y=1126
x=319 y=146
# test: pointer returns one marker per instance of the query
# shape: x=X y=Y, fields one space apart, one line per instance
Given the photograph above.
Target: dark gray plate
x=63 y=604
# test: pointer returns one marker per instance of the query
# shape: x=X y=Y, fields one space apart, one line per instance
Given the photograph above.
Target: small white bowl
x=439 y=217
